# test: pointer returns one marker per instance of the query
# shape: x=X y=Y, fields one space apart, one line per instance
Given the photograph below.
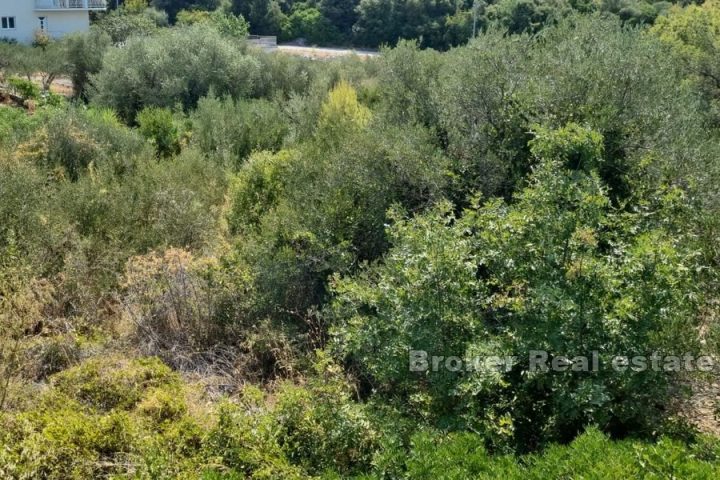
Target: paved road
x=313 y=52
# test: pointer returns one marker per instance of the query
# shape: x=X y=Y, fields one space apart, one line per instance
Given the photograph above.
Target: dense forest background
x=214 y=260
x=438 y=24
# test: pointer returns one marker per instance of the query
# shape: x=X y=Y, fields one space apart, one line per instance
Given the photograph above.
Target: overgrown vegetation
x=215 y=262
x=439 y=24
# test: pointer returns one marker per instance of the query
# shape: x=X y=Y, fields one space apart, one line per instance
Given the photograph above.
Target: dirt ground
x=60 y=86
x=702 y=406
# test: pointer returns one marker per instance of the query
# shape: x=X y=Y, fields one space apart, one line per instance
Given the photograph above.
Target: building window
x=7 y=23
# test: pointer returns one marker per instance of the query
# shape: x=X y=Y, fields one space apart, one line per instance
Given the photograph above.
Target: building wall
x=27 y=20
x=62 y=23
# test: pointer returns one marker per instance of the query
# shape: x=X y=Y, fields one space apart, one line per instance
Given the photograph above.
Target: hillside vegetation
x=218 y=263
x=439 y=24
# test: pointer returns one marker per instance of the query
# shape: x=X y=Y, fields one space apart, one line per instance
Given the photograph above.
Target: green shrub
x=332 y=211
x=53 y=354
x=310 y=24
x=322 y=429
x=16 y=126
x=489 y=96
x=71 y=139
x=282 y=76
x=226 y=23
x=148 y=433
x=21 y=223
x=162 y=406
x=118 y=213
x=265 y=16
x=257 y=189
x=591 y=455
x=180 y=65
x=158 y=126
x=328 y=202
x=303 y=431
x=173 y=7
x=229 y=130
x=577 y=147
x=85 y=52
x=64 y=442
x=692 y=34
x=456 y=456
x=532 y=275
x=121 y=25
x=407 y=76
x=244 y=441
x=113 y=383
x=384 y=22
x=174 y=201
x=520 y=16
x=24 y=88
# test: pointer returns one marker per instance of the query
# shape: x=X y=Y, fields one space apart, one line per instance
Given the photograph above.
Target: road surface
x=314 y=52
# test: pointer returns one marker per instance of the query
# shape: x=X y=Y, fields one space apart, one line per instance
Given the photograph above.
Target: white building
x=20 y=19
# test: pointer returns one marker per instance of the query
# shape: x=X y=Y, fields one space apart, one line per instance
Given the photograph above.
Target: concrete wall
x=27 y=20
x=62 y=23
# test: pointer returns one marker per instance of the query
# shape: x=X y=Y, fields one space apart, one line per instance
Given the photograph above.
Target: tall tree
x=341 y=13
x=172 y=7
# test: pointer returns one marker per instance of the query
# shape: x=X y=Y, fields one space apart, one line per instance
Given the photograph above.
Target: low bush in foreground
x=114 y=418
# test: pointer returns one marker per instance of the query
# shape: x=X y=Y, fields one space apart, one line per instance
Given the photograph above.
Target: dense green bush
x=93 y=421
x=284 y=75
x=536 y=275
x=154 y=204
x=122 y=24
x=522 y=16
x=24 y=88
x=303 y=432
x=21 y=225
x=72 y=139
x=408 y=77
x=159 y=126
x=226 y=23
x=310 y=24
x=15 y=127
x=83 y=193
x=592 y=455
x=151 y=205
x=177 y=66
x=64 y=442
x=306 y=430
x=490 y=94
x=85 y=53
x=341 y=14
x=256 y=214
x=692 y=35
x=334 y=194
x=108 y=384
x=384 y=22
x=265 y=16
x=257 y=189
x=230 y=130
x=172 y=7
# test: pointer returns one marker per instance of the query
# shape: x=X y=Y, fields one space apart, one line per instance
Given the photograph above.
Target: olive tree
x=177 y=66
